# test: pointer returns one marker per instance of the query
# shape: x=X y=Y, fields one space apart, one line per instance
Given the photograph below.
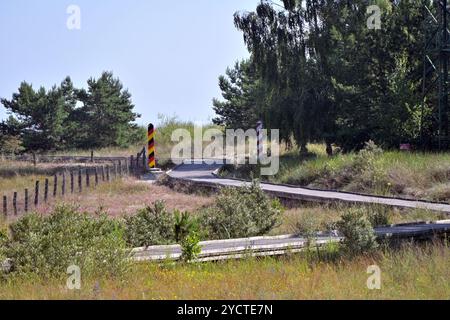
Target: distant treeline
x=65 y=117
x=318 y=72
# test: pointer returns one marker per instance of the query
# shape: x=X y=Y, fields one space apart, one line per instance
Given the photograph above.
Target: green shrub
x=48 y=245
x=3 y=243
x=153 y=225
x=184 y=225
x=359 y=236
x=242 y=212
x=190 y=247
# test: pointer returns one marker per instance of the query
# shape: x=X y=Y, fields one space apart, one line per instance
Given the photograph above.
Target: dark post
x=63 y=189
x=36 y=194
x=96 y=176
x=144 y=159
x=15 y=203
x=80 y=184
x=132 y=164
x=55 y=185
x=137 y=162
x=108 y=178
x=120 y=168
x=71 y=181
x=115 y=170
x=103 y=173
x=26 y=200
x=88 y=182
x=5 y=206
x=46 y=190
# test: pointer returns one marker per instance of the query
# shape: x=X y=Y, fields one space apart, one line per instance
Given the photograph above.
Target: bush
x=242 y=212
x=190 y=247
x=3 y=243
x=359 y=236
x=184 y=225
x=48 y=245
x=150 y=226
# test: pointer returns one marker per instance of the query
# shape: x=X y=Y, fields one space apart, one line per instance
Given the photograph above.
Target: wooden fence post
x=144 y=159
x=120 y=168
x=46 y=191
x=88 y=182
x=103 y=173
x=63 y=188
x=115 y=170
x=5 y=206
x=132 y=164
x=55 y=185
x=96 y=176
x=15 y=203
x=80 y=184
x=71 y=181
x=26 y=200
x=36 y=194
x=108 y=176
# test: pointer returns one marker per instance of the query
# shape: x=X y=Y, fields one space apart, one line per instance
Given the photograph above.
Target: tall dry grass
x=411 y=273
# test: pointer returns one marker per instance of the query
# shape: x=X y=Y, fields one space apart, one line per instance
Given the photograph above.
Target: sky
x=168 y=57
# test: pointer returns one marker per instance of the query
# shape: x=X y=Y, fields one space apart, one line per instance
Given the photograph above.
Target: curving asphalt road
x=203 y=174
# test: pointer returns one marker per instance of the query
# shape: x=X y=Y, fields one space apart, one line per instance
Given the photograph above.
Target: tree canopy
x=318 y=73
x=65 y=117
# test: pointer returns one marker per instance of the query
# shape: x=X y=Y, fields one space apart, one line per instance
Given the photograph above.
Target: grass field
x=409 y=273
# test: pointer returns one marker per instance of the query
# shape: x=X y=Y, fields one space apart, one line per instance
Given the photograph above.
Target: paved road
x=202 y=173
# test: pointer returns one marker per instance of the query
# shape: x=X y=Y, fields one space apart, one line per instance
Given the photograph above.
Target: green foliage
x=241 y=91
x=152 y=225
x=190 y=247
x=65 y=117
x=184 y=225
x=359 y=236
x=318 y=73
x=242 y=212
x=48 y=245
x=4 y=241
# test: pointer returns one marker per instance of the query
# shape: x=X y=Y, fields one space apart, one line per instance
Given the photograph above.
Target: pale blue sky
x=169 y=57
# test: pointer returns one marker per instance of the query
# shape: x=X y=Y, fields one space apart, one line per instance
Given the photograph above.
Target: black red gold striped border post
x=151 y=147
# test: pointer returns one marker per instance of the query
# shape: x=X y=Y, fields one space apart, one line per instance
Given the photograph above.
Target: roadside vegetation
x=393 y=173
x=41 y=247
x=408 y=273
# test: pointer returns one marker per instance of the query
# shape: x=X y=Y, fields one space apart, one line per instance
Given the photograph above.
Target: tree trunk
x=329 y=149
